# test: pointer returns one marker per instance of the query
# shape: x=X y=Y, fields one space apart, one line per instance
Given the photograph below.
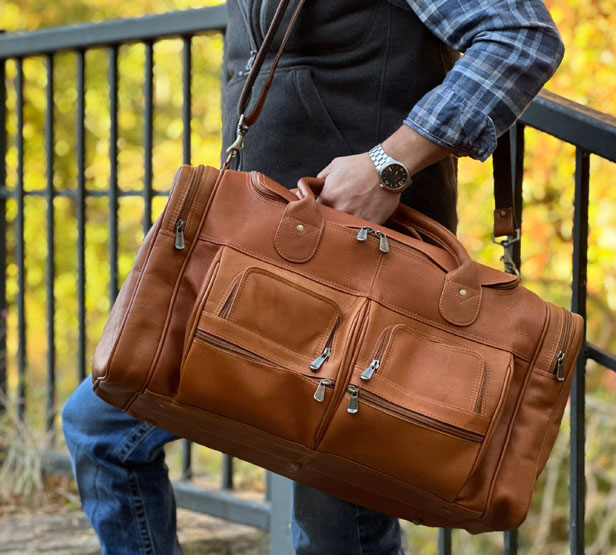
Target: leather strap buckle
x=506 y=259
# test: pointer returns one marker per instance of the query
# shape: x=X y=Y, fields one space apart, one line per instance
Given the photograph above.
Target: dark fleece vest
x=350 y=74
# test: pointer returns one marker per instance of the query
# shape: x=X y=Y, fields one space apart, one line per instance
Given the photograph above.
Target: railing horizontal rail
x=118 y=31
x=574 y=123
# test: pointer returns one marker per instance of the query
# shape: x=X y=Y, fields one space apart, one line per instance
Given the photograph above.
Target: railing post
x=3 y=307
x=280 y=519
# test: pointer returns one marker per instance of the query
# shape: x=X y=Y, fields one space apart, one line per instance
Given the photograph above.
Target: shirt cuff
x=447 y=119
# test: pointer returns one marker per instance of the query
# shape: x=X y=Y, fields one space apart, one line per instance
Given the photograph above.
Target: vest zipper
x=412 y=416
x=182 y=221
x=262 y=16
x=225 y=345
x=245 y=8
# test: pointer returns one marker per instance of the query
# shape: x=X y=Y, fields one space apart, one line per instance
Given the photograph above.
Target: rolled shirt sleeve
x=511 y=48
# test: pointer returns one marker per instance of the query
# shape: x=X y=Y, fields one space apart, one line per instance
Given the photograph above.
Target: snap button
x=295 y=467
x=463 y=292
x=502 y=213
x=300 y=228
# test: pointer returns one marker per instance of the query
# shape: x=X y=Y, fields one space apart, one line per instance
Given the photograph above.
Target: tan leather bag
x=377 y=363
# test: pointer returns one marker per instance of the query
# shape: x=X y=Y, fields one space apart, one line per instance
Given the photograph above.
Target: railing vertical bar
x=511 y=542
x=187 y=101
x=148 y=92
x=577 y=499
x=227 y=471
x=20 y=246
x=50 y=273
x=81 y=216
x=517 y=154
x=268 y=485
x=510 y=537
x=3 y=305
x=444 y=541
x=113 y=173
x=186 y=156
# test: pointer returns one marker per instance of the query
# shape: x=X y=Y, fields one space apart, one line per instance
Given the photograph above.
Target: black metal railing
x=591 y=132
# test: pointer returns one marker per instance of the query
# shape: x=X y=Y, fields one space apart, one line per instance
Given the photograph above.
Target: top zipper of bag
x=245 y=9
x=182 y=219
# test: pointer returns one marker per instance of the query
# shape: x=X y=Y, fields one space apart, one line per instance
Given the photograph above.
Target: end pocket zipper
x=559 y=364
x=182 y=220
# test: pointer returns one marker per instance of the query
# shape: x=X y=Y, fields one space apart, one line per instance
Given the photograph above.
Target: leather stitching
x=428 y=412
x=388 y=304
x=480 y=361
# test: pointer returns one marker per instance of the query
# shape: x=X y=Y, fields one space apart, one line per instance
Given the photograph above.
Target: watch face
x=394 y=176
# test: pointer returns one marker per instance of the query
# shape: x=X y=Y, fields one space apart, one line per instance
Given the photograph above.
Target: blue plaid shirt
x=511 y=48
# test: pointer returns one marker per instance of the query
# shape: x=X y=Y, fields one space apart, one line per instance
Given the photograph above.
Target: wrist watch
x=394 y=175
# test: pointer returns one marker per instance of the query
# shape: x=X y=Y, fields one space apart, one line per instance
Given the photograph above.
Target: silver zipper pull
x=319 y=394
x=362 y=234
x=369 y=372
x=560 y=367
x=318 y=362
x=250 y=61
x=353 y=391
x=179 y=234
x=383 y=244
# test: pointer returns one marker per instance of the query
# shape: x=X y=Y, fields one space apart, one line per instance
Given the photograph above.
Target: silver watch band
x=380 y=157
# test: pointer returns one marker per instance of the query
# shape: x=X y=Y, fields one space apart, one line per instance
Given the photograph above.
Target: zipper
x=182 y=220
x=378 y=402
x=262 y=16
x=226 y=308
x=206 y=337
x=316 y=364
x=319 y=394
x=367 y=374
x=264 y=191
x=364 y=231
x=559 y=363
x=245 y=10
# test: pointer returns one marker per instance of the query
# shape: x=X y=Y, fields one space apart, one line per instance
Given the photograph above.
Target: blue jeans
x=123 y=482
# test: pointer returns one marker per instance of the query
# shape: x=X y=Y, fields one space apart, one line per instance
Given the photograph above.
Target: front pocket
x=419 y=405
x=283 y=312
x=234 y=373
x=266 y=346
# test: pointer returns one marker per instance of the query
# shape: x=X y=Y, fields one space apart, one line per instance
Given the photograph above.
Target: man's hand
x=352 y=182
x=352 y=185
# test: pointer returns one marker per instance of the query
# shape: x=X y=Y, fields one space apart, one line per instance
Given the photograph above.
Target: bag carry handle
x=505 y=222
x=461 y=295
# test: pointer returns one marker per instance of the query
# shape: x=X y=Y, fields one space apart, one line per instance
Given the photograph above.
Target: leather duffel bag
x=376 y=363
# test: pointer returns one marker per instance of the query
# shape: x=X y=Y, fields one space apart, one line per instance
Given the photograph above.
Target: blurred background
x=587 y=75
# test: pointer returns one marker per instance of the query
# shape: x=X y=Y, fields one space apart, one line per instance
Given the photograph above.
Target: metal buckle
x=237 y=145
x=506 y=259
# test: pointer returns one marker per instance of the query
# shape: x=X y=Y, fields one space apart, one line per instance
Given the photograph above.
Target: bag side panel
x=536 y=424
x=132 y=334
